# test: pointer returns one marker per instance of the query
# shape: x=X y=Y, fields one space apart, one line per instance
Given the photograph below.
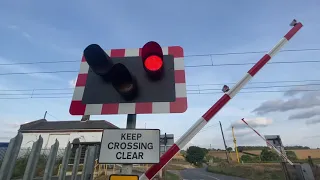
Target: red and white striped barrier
x=186 y=137
x=274 y=148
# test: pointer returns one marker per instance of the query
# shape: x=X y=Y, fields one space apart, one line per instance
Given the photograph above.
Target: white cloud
x=305 y=114
x=72 y=83
x=9 y=129
x=313 y=120
x=13 y=27
x=307 y=100
x=26 y=35
x=253 y=122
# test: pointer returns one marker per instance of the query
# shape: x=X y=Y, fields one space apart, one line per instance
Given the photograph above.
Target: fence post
x=88 y=174
x=51 y=160
x=88 y=164
x=10 y=158
x=84 y=163
x=63 y=170
x=76 y=163
x=33 y=159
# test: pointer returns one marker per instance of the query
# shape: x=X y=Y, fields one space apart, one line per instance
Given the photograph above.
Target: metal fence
x=30 y=163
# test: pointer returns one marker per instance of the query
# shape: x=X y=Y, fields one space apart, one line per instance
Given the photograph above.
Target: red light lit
x=153 y=63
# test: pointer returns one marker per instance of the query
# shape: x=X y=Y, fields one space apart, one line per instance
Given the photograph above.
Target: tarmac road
x=202 y=174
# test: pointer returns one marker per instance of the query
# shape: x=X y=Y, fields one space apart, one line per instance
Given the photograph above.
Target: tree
x=229 y=149
x=268 y=155
x=195 y=155
x=291 y=155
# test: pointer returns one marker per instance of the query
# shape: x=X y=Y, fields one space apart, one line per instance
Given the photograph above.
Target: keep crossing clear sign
x=132 y=146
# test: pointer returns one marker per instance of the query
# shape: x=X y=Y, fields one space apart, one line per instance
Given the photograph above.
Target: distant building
x=80 y=132
x=84 y=133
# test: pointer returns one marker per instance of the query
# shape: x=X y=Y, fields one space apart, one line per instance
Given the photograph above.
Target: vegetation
x=245 y=148
x=266 y=155
x=195 y=155
x=171 y=176
x=248 y=171
x=251 y=159
x=21 y=164
x=229 y=149
x=291 y=155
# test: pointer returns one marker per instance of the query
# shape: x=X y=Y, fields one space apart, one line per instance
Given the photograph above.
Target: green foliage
x=249 y=159
x=249 y=172
x=296 y=147
x=170 y=176
x=245 y=158
x=20 y=166
x=291 y=155
x=195 y=155
x=205 y=150
x=229 y=149
x=244 y=148
x=251 y=154
x=268 y=155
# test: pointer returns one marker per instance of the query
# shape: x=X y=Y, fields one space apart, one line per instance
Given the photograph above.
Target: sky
x=41 y=31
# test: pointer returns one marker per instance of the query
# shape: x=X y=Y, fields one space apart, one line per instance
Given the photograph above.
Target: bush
x=268 y=155
x=195 y=155
x=249 y=159
x=291 y=155
x=248 y=171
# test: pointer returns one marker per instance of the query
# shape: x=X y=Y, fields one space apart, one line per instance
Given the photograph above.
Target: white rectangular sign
x=130 y=146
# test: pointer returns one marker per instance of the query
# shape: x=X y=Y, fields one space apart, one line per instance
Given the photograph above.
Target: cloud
x=307 y=100
x=13 y=27
x=12 y=124
x=8 y=129
x=255 y=122
x=305 y=115
x=296 y=90
x=72 y=83
x=23 y=33
x=313 y=121
x=26 y=35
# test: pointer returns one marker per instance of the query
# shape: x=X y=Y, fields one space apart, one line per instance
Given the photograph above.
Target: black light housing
x=152 y=60
x=123 y=82
x=98 y=60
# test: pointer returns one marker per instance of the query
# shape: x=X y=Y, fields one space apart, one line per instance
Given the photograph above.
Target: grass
x=171 y=176
x=248 y=172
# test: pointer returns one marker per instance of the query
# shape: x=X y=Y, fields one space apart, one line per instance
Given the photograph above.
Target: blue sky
x=60 y=30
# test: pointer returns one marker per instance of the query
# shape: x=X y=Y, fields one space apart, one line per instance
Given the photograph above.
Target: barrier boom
x=187 y=136
x=271 y=146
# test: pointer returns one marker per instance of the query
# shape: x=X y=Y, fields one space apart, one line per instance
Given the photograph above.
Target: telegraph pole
x=224 y=141
x=45 y=115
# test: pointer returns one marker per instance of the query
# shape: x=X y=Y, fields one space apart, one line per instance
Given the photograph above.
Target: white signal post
x=272 y=146
x=186 y=137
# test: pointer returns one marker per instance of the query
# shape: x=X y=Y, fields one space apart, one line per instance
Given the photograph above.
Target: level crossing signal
x=145 y=80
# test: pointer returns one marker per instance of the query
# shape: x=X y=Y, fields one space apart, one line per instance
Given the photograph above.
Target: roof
x=43 y=124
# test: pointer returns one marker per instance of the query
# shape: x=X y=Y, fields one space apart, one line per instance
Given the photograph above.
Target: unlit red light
x=153 y=63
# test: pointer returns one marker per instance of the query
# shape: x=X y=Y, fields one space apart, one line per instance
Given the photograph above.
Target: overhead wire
x=188 y=66
x=199 y=85
x=191 y=55
x=198 y=93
